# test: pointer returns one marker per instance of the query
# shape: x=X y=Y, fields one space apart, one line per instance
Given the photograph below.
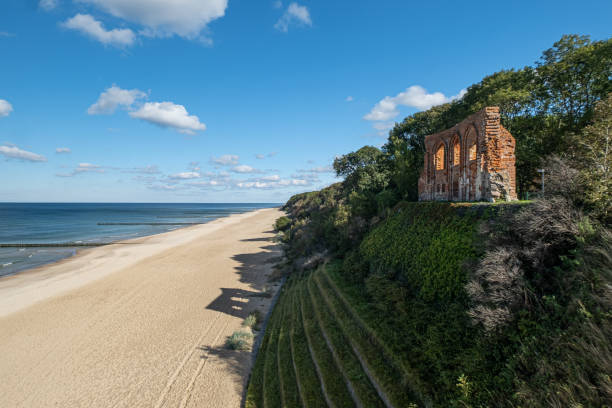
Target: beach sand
x=138 y=324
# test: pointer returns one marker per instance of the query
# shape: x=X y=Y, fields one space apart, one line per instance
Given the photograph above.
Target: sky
x=237 y=100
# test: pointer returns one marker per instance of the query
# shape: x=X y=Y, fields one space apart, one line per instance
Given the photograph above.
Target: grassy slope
x=378 y=347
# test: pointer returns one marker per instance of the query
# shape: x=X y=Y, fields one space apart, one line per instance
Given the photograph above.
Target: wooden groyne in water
x=150 y=223
x=61 y=244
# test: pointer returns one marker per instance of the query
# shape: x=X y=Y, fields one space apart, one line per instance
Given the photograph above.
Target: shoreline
x=47 y=276
x=79 y=246
x=140 y=325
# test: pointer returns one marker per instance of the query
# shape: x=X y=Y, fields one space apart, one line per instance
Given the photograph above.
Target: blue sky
x=236 y=100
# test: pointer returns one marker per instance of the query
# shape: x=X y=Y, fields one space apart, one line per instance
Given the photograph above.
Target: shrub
x=282 y=223
x=253 y=320
x=239 y=340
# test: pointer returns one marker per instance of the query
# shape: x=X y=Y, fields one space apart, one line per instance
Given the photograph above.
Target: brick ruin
x=472 y=161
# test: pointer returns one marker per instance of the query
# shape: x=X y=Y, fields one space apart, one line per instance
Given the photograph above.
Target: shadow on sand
x=254 y=269
x=234 y=302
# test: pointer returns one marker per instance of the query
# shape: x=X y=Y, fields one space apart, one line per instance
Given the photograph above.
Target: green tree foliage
x=366 y=174
x=571 y=77
x=539 y=105
x=592 y=153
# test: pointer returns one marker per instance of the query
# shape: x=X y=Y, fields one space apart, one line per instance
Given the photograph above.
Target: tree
x=363 y=170
x=592 y=151
x=572 y=76
x=366 y=175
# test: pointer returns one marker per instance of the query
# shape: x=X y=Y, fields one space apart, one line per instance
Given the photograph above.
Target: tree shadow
x=254 y=269
x=258 y=239
x=237 y=363
x=255 y=266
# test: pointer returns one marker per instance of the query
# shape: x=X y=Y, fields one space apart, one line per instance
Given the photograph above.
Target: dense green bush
x=282 y=223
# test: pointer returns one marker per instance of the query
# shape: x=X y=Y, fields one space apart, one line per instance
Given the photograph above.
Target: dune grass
x=239 y=340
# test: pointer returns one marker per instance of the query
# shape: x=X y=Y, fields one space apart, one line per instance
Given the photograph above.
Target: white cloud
x=209 y=183
x=253 y=184
x=187 y=175
x=414 y=96
x=225 y=160
x=311 y=177
x=320 y=169
x=278 y=4
x=86 y=24
x=6 y=34
x=162 y=18
x=87 y=166
x=294 y=182
x=150 y=169
x=382 y=126
x=164 y=187
x=260 y=156
x=114 y=97
x=5 y=108
x=48 y=5
x=168 y=114
x=13 y=152
x=63 y=150
x=264 y=183
x=274 y=177
x=294 y=14
x=243 y=168
x=349 y=99
x=83 y=168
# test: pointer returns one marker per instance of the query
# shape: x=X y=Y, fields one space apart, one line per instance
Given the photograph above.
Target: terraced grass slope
x=339 y=339
x=317 y=352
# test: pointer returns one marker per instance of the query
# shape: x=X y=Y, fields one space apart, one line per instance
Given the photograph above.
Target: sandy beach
x=138 y=324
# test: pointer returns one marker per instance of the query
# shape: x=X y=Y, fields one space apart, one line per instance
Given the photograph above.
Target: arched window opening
x=440 y=158
x=473 y=152
x=456 y=153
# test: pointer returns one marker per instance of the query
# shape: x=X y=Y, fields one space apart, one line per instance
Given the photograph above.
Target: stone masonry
x=472 y=161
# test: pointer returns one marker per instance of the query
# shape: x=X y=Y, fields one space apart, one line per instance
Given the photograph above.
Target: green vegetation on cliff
x=391 y=302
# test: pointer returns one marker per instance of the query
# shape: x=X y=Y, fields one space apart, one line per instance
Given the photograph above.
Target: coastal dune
x=138 y=324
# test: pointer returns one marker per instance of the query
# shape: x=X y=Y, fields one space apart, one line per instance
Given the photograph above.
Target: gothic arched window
x=439 y=158
x=456 y=153
x=473 y=152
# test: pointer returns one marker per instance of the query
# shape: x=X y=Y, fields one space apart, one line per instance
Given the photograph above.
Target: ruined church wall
x=477 y=162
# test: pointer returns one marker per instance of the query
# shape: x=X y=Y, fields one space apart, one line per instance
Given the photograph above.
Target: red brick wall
x=490 y=177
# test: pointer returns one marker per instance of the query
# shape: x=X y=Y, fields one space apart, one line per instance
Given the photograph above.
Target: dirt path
x=149 y=334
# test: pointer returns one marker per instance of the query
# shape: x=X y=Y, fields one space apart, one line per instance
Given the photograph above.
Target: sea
x=34 y=234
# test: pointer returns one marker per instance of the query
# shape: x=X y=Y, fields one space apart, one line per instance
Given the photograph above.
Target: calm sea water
x=56 y=223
